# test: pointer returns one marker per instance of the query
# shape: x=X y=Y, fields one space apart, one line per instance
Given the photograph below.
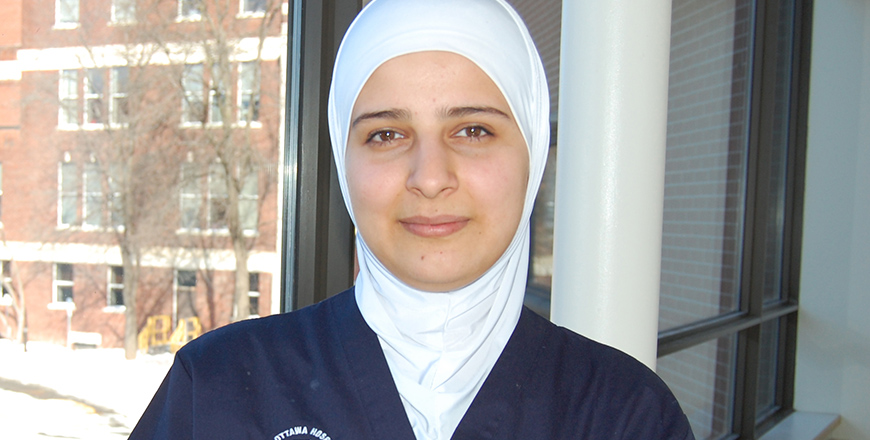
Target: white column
x=610 y=171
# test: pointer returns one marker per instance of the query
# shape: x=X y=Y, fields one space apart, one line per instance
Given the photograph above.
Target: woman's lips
x=433 y=227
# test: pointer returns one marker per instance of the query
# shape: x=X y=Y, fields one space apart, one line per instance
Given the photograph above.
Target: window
x=254 y=293
x=118 y=109
x=68 y=97
x=218 y=199
x=69 y=196
x=248 y=206
x=116 y=286
x=116 y=201
x=123 y=11
x=185 y=294
x=728 y=295
x=66 y=13
x=93 y=196
x=253 y=7
x=249 y=93
x=217 y=95
x=6 y=278
x=189 y=9
x=63 y=283
x=192 y=106
x=191 y=196
x=94 y=94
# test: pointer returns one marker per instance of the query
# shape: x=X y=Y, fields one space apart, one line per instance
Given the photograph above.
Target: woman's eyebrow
x=393 y=113
x=458 y=112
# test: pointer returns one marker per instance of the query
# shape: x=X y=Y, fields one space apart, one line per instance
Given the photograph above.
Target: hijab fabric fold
x=440 y=346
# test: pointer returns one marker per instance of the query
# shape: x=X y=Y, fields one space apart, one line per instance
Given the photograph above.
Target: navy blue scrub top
x=319 y=373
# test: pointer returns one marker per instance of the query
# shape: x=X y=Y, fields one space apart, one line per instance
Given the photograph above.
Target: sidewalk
x=52 y=391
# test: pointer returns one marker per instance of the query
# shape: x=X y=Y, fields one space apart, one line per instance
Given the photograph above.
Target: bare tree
x=238 y=157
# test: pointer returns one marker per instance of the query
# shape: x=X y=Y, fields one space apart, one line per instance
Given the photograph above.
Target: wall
x=833 y=365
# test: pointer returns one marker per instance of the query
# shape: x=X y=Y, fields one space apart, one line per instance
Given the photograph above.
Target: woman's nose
x=431 y=168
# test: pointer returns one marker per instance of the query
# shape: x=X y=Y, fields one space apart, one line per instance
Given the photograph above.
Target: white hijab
x=440 y=347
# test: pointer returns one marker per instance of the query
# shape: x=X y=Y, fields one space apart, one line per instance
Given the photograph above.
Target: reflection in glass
x=702 y=379
x=705 y=172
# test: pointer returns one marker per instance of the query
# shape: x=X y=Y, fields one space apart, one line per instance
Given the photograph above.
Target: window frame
x=6 y=278
x=125 y=18
x=118 y=93
x=252 y=93
x=753 y=311
x=114 y=287
x=67 y=192
x=68 y=99
x=58 y=299
x=249 y=196
x=246 y=12
x=193 y=94
x=189 y=10
x=190 y=197
x=73 y=7
x=216 y=191
x=93 y=76
x=254 y=294
x=92 y=196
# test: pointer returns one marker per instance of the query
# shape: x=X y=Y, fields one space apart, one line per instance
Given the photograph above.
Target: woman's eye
x=474 y=131
x=384 y=136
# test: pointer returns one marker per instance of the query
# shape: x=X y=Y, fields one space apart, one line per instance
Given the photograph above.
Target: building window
x=69 y=197
x=118 y=109
x=63 y=283
x=6 y=277
x=68 y=97
x=248 y=205
x=217 y=96
x=192 y=106
x=66 y=13
x=189 y=9
x=191 y=196
x=116 y=286
x=116 y=201
x=249 y=92
x=94 y=96
x=123 y=11
x=218 y=199
x=93 y=195
x=185 y=294
x=253 y=7
x=254 y=293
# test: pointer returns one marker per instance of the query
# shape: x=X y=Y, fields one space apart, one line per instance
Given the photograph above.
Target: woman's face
x=437 y=169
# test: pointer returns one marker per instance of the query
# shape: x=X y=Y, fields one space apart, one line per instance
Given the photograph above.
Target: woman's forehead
x=448 y=83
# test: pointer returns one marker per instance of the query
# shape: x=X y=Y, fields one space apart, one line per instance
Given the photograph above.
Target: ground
x=55 y=392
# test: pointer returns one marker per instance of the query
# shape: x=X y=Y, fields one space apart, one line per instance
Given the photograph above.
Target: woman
x=439 y=120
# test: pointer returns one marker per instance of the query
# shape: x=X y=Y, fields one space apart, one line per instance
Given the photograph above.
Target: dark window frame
x=753 y=311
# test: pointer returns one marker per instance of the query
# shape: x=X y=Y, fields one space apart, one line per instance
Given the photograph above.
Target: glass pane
x=544 y=20
x=541 y=272
x=776 y=185
x=702 y=379
x=768 y=362
x=65 y=272
x=705 y=167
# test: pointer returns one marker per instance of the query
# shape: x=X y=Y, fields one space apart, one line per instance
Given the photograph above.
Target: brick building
x=139 y=148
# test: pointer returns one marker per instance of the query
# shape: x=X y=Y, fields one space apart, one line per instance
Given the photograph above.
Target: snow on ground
x=53 y=391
